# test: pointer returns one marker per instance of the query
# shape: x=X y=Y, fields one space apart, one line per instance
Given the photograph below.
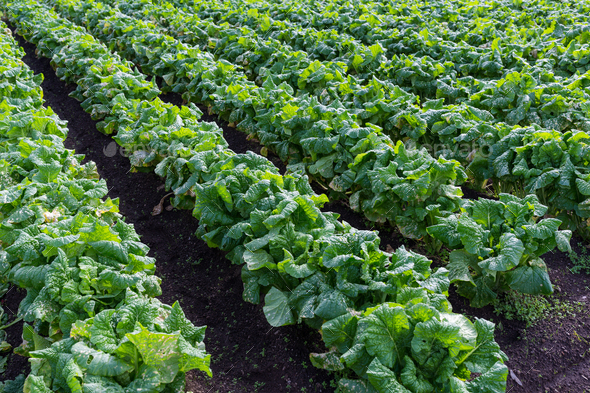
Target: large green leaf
x=112 y=249
x=386 y=334
x=193 y=358
x=438 y=282
x=357 y=359
x=276 y=308
x=486 y=351
x=13 y=386
x=97 y=384
x=97 y=362
x=511 y=250
x=544 y=229
x=487 y=212
x=562 y=238
x=159 y=350
x=446 y=231
x=412 y=380
x=532 y=278
x=472 y=235
x=428 y=334
x=177 y=321
x=493 y=380
x=36 y=384
x=147 y=381
x=459 y=266
x=259 y=259
x=383 y=379
x=102 y=332
x=340 y=332
x=331 y=304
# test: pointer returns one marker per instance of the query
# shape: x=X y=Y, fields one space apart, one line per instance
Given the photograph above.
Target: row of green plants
x=125 y=34
x=259 y=53
x=522 y=94
x=384 y=317
x=462 y=69
x=461 y=32
x=546 y=153
x=459 y=15
x=8 y=48
x=374 y=92
x=449 y=78
x=323 y=141
x=92 y=320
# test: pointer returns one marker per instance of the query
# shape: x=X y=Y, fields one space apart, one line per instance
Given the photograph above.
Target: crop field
x=294 y=196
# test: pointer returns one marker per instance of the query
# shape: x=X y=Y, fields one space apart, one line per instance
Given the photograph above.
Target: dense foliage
x=463 y=89
x=405 y=185
x=499 y=246
x=308 y=265
x=393 y=107
x=93 y=321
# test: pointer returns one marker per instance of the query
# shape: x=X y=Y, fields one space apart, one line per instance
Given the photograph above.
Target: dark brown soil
x=249 y=355
x=16 y=364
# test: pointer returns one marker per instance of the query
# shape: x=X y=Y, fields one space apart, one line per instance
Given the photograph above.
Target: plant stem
x=11 y=323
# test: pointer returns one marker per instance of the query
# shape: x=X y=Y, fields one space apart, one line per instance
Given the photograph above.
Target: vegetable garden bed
x=248 y=355
x=549 y=353
x=548 y=356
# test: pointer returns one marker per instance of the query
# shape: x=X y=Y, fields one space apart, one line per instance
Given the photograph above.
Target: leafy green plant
x=498 y=245
x=305 y=264
x=94 y=320
x=438 y=353
x=550 y=164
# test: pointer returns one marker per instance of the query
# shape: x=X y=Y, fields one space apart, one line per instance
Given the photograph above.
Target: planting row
x=460 y=32
x=448 y=70
x=384 y=317
x=551 y=100
x=479 y=132
x=459 y=15
x=314 y=133
x=422 y=203
x=11 y=51
x=93 y=321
